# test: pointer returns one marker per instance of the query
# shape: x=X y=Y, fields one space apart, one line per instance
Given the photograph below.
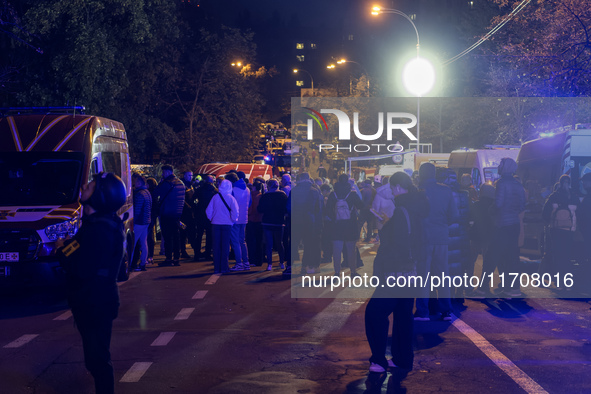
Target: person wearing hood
x=383 y=204
x=459 y=257
x=483 y=231
x=509 y=205
x=203 y=196
x=223 y=212
x=142 y=212
x=238 y=237
x=286 y=184
x=402 y=238
x=345 y=230
x=442 y=212
x=559 y=247
x=306 y=221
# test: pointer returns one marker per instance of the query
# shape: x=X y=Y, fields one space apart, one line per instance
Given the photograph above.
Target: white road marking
x=163 y=338
x=199 y=295
x=64 y=316
x=212 y=279
x=135 y=373
x=184 y=314
x=501 y=361
x=21 y=341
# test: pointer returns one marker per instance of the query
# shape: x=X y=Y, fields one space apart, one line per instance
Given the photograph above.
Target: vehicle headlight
x=63 y=229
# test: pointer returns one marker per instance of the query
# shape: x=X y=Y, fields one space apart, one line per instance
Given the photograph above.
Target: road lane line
x=135 y=373
x=184 y=314
x=200 y=294
x=212 y=279
x=64 y=316
x=501 y=361
x=163 y=338
x=21 y=341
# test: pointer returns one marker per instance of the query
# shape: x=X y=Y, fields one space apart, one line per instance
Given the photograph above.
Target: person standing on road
x=152 y=185
x=402 y=238
x=171 y=198
x=223 y=212
x=187 y=232
x=442 y=212
x=238 y=236
x=273 y=206
x=306 y=222
x=203 y=196
x=142 y=212
x=509 y=205
x=254 y=227
x=91 y=260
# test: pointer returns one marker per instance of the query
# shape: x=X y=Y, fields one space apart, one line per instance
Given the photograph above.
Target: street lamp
x=343 y=61
x=419 y=73
x=295 y=70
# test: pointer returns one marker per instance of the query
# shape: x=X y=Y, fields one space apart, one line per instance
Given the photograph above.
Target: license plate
x=8 y=256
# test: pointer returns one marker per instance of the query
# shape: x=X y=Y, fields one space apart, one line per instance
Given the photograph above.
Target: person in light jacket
x=238 y=237
x=223 y=213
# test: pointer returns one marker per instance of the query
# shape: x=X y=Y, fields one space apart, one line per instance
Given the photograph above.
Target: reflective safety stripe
x=71 y=248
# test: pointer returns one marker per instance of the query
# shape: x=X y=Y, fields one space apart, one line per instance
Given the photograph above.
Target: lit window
x=300 y=45
x=299 y=83
x=300 y=58
x=350 y=37
x=313 y=46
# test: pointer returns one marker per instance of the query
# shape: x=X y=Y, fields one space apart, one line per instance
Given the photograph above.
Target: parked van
x=540 y=164
x=481 y=164
x=46 y=155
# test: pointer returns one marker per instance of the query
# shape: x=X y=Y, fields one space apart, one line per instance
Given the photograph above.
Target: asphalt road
x=184 y=330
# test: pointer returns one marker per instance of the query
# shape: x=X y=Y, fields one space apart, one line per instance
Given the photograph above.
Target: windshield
x=40 y=178
x=283 y=161
x=491 y=174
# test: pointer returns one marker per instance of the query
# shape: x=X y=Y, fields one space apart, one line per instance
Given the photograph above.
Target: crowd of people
x=429 y=223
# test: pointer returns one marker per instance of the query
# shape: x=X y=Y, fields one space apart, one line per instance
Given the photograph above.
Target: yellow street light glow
x=331 y=66
x=239 y=64
x=375 y=10
x=295 y=70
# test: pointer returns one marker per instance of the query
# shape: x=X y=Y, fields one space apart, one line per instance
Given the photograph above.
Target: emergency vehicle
x=481 y=164
x=386 y=165
x=46 y=155
x=540 y=164
x=251 y=170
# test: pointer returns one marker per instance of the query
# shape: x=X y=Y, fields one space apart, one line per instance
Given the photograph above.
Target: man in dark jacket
x=509 y=205
x=345 y=231
x=442 y=212
x=203 y=196
x=171 y=198
x=91 y=260
x=306 y=222
x=273 y=206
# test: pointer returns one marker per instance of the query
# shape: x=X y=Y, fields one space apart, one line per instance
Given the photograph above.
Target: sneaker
x=446 y=316
x=150 y=260
x=237 y=267
x=142 y=267
x=246 y=266
x=287 y=272
x=391 y=364
x=422 y=318
x=377 y=368
x=269 y=267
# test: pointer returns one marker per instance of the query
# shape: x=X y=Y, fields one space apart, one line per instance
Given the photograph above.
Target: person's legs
x=269 y=245
x=337 y=251
x=225 y=247
x=217 y=248
x=243 y=245
x=141 y=236
x=278 y=240
x=351 y=256
x=439 y=265
x=151 y=238
x=509 y=256
x=423 y=269
x=376 y=328
x=95 y=326
x=235 y=242
x=168 y=226
x=402 y=333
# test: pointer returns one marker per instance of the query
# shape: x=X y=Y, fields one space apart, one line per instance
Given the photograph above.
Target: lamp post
x=418 y=74
x=343 y=61
x=295 y=70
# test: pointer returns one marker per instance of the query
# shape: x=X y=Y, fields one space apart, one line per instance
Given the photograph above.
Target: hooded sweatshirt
x=242 y=195
x=383 y=203
x=217 y=211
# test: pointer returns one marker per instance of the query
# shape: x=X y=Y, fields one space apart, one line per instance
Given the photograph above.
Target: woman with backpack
x=341 y=207
x=560 y=218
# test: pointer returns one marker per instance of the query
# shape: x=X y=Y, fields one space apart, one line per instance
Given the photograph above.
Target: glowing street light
x=295 y=70
x=418 y=74
x=343 y=61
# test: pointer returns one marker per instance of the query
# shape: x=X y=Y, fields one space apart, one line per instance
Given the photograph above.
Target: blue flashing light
x=267 y=158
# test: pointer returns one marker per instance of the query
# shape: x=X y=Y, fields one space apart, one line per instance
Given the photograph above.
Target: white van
x=46 y=155
x=481 y=164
